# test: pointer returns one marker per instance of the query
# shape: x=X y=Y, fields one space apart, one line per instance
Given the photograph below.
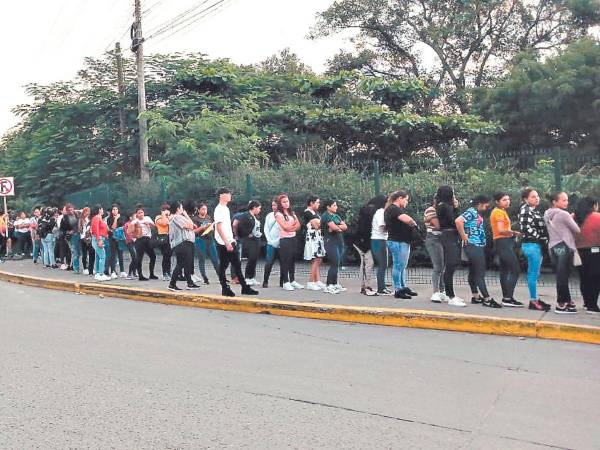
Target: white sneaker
x=321 y=284
x=331 y=289
x=296 y=285
x=288 y=287
x=114 y=276
x=85 y=272
x=106 y=278
x=313 y=286
x=123 y=275
x=340 y=288
x=99 y=277
x=436 y=297
x=63 y=267
x=252 y=282
x=195 y=278
x=444 y=297
x=456 y=301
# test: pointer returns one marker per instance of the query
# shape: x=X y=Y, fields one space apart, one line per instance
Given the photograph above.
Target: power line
x=211 y=11
x=175 y=21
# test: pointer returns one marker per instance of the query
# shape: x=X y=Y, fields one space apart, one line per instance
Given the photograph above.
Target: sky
x=46 y=40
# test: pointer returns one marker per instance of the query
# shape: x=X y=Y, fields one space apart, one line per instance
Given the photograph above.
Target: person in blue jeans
x=205 y=242
x=398 y=225
x=535 y=235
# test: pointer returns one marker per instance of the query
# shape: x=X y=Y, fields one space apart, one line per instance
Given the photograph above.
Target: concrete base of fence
x=355 y=314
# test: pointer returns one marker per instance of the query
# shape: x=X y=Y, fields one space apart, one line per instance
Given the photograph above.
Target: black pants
x=589 y=277
x=562 y=258
x=166 y=252
x=272 y=255
x=133 y=256
x=451 y=245
x=477 y=283
x=24 y=244
x=64 y=252
x=142 y=245
x=88 y=256
x=252 y=247
x=287 y=259
x=509 y=266
x=184 y=253
x=115 y=252
x=226 y=258
x=334 y=249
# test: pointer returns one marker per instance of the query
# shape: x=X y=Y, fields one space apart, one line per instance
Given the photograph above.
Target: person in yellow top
x=3 y=232
x=504 y=245
x=162 y=229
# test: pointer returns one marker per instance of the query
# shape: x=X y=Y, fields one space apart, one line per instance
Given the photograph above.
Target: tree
x=546 y=104
x=470 y=40
x=284 y=62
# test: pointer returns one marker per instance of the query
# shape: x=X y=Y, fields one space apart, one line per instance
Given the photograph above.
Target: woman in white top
x=379 y=238
x=143 y=226
x=23 y=234
x=314 y=248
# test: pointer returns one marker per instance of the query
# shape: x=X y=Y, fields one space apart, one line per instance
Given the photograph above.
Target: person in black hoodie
x=248 y=230
x=45 y=226
x=69 y=227
x=362 y=242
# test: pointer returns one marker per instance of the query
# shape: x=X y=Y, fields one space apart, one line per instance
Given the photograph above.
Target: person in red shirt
x=588 y=246
x=99 y=232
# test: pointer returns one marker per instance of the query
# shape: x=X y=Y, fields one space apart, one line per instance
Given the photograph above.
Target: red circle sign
x=6 y=186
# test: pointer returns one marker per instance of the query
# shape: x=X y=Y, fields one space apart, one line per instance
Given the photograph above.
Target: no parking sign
x=7 y=186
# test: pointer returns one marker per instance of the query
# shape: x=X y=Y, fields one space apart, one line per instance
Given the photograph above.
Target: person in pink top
x=588 y=246
x=288 y=226
x=99 y=232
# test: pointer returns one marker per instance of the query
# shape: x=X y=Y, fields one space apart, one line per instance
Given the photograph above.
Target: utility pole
x=138 y=47
x=121 y=87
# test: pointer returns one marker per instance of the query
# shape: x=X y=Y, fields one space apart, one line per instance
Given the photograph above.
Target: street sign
x=7 y=186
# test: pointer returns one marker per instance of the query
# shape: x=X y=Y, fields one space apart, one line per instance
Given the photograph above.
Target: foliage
x=551 y=103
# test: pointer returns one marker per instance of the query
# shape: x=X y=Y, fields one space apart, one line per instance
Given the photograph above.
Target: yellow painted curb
x=356 y=314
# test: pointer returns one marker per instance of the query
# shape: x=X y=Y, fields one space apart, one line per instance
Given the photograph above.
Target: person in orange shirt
x=504 y=245
x=162 y=228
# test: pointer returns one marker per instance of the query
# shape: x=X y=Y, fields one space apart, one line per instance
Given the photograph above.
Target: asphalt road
x=89 y=372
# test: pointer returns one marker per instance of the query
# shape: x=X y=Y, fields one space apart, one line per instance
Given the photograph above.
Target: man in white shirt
x=226 y=245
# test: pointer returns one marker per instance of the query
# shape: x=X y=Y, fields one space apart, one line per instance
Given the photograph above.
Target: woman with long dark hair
x=115 y=220
x=206 y=246
x=314 y=246
x=379 y=237
x=535 y=236
x=288 y=226
x=588 y=246
x=99 y=232
x=333 y=232
x=562 y=230
x=398 y=225
x=87 y=251
x=504 y=244
x=446 y=210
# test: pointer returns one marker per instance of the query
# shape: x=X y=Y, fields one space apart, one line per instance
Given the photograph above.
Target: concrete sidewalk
x=351 y=297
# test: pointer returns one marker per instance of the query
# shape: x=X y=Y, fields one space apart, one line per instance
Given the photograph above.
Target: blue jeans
x=271 y=254
x=74 y=245
x=100 y=261
x=48 y=250
x=37 y=249
x=379 y=250
x=334 y=248
x=207 y=247
x=533 y=253
x=400 y=253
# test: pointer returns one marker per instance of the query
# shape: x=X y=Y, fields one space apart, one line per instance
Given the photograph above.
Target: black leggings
x=115 y=252
x=252 y=247
x=142 y=245
x=166 y=252
x=589 y=277
x=226 y=258
x=184 y=253
x=88 y=255
x=476 y=256
x=451 y=246
x=509 y=266
x=287 y=259
x=132 y=255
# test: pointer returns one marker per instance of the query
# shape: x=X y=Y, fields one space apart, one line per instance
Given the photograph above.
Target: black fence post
x=557 y=169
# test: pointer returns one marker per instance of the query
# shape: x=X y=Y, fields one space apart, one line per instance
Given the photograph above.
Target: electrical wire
x=175 y=21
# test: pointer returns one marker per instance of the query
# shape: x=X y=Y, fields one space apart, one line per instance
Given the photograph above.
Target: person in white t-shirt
x=379 y=236
x=143 y=226
x=23 y=234
x=226 y=245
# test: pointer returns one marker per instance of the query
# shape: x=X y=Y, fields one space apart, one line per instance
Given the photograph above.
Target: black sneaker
x=249 y=291
x=592 y=309
x=410 y=292
x=174 y=288
x=476 y=300
x=191 y=287
x=227 y=292
x=205 y=280
x=386 y=291
x=511 y=302
x=401 y=294
x=490 y=303
x=265 y=284
x=571 y=308
x=153 y=277
x=539 y=305
x=563 y=308
x=142 y=278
